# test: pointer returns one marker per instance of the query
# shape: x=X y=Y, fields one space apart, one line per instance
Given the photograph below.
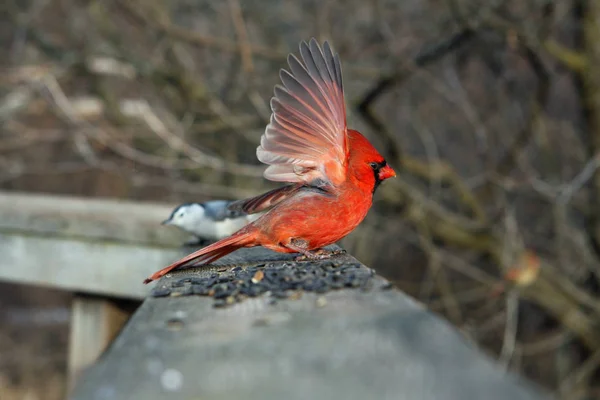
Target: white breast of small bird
x=231 y=226
x=227 y=227
x=219 y=229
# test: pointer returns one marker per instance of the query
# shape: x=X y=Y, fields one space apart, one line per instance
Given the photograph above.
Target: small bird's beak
x=386 y=172
x=166 y=222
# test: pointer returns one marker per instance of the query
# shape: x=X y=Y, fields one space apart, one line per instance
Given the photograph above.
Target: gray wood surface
x=94 y=246
x=344 y=344
x=94 y=324
x=87 y=218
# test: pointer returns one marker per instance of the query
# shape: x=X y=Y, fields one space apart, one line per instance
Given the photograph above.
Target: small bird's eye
x=373 y=165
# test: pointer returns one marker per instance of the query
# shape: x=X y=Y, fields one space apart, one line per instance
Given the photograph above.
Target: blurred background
x=489 y=111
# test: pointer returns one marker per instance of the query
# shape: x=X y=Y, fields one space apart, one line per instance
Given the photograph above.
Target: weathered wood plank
x=106 y=268
x=103 y=247
x=94 y=323
x=87 y=219
x=350 y=344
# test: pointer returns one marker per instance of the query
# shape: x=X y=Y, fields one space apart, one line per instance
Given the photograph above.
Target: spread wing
x=306 y=139
x=264 y=201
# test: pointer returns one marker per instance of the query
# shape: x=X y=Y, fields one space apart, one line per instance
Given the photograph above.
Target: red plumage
x=333 y=170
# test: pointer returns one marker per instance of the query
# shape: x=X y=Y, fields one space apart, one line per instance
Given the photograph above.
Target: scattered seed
x=258 y=276
x=279 y=280
x=295 y=295
x=321 y=301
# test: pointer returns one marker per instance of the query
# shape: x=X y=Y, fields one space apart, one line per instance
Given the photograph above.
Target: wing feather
x=264 y=201
x=306 y=138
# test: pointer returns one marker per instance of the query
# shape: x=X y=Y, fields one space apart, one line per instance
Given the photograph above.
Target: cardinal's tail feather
x=207 y=254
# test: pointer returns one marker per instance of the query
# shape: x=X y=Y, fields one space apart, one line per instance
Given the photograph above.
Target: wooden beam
x=94 y=323
x=106 y=268
x=373 y=343
x=87 y=219
x=104 y=247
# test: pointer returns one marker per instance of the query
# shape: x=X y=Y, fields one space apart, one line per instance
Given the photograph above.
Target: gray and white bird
x=207 y=221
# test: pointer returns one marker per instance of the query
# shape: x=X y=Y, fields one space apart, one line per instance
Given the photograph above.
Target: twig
x=60 y=100
x=438 y=275
x=431 y=151
x=195 y=38
x=67 y=167
x=475 y=295
x=247 y=63
x=141 y=109
x=508 y=161
x=572 y=59
x=25 y=137
x=242 y=35
x=578 y=181
x=563 y=193
x=581 y=374
x=548 y=288
x=545 y=345
x=474 y=272
x=24 y=22
x=425 y=57
x=546 y=292
x=444 y=173
x=510 y=328
x=587 y=81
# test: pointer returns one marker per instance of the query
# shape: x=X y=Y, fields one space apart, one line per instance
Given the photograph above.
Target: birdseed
x=279 y=280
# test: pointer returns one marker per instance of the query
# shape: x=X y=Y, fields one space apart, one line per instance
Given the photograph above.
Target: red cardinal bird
x=333 y=170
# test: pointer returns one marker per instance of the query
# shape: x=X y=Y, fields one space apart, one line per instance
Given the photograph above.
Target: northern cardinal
x=333 y=170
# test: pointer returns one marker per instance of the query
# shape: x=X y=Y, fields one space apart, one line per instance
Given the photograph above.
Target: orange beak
x=386 y=172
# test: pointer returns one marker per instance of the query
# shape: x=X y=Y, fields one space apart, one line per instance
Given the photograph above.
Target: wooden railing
x=100 y=250
x=255 y=325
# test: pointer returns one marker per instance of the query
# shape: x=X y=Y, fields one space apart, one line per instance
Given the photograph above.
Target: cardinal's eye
x=374 y=165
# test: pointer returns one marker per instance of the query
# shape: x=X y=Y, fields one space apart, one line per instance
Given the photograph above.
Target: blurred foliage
x=490 y=111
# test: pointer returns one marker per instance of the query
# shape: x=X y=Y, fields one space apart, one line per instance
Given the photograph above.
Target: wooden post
x=95 y=321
